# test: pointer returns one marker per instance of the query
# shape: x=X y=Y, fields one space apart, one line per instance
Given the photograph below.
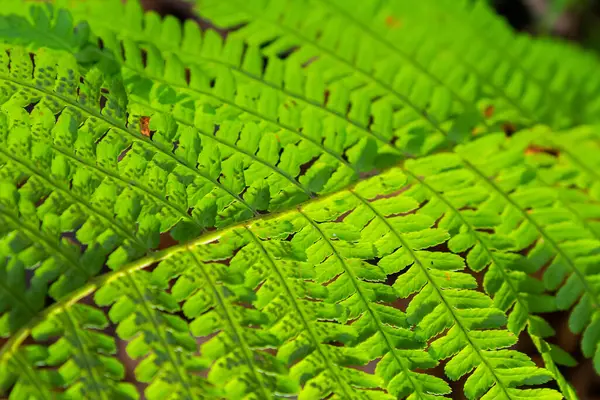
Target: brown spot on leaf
x=145 y=126
x=489 y=111
x=392 y=22
x=533 y=149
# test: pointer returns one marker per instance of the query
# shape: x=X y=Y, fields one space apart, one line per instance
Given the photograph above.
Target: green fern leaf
x=145 y=317
x=84 y=354
x=287 y=79
x=340 y=236
x=111 y=140
x=211 y=294
x=397 y=33
x=17 y=304
x=166 y=170
x=521 y=73
x=23 y=24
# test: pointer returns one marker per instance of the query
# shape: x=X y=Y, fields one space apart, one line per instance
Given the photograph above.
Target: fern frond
x=284 y=295
x=296 y=155
x=17 y=304
x=144 y=316
x=541 y=76
x=41 y=26
x=329 y=261
x=81 y=359
x=165 y=121
x=442 y=305
x=293 y=88
x=567 y=160
x=50 y=186
x=538 y=71
x=169 y=168
x=505 y=66
x=349 y=99
x=214 y=300
x=111 y=139
x=19 y=376
x=191 y=47
x=340 y=144
x=383 y=331
x=83 y=354
x=63 y=171
x=326 y=43
x=397 y=37
x=475 y=170
x=36 y=241
x=546 y=225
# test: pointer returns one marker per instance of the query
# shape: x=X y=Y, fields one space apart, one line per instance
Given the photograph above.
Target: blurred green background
x=574 y=20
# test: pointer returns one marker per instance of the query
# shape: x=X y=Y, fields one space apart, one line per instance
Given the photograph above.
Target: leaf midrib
x=243 y=345
x=293 y=299
x=150 y=315
x=84 y=351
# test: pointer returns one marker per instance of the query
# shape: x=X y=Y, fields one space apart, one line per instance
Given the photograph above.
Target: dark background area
x=576 y=20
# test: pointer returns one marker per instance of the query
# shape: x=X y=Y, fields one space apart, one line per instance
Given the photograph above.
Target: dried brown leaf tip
x=533 y=149
x=145 y=126
x=392 y=22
